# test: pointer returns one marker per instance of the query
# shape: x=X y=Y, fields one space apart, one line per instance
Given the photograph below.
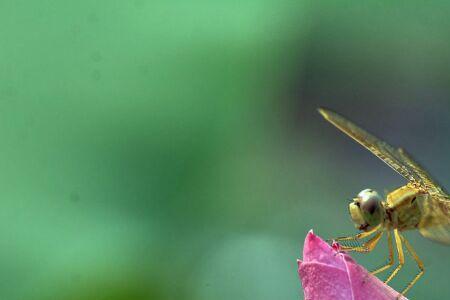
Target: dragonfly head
x=366 y=210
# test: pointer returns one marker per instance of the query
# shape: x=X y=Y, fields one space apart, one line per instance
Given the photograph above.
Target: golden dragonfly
x=420 y=204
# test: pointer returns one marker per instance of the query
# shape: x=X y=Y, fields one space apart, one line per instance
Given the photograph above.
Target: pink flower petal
x=328 y=274
x=315 y=249
x=324 y=281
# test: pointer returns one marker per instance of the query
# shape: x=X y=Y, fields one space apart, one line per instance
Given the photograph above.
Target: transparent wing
x=426 y=182
x=381 y=149
x=435 y=221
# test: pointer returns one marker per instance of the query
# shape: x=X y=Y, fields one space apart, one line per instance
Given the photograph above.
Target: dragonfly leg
x=414 y=255
x=360 y=235
x=366 y=246
x=401 y=257
x=354 y=238
x=390 y=261
x=354 y=241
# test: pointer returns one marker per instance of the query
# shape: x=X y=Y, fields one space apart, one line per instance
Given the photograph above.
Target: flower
x=326 y=273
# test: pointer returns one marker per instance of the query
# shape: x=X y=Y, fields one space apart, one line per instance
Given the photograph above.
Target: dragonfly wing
x=426 y=182
x=381 y=149
x=435 y=221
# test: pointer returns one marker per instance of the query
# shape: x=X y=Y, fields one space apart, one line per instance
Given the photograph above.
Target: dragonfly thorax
x=366 y=210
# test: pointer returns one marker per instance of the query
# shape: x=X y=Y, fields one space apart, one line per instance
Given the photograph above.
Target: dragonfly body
x=420 y=205
x=402 y=209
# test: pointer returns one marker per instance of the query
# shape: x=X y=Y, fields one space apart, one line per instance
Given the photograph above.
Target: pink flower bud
x=327 y=273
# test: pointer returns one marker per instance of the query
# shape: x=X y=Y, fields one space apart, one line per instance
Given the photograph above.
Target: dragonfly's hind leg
x=390 y=261
x=414 y=255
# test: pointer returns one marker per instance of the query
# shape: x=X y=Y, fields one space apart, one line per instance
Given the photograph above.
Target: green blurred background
x=172 y=150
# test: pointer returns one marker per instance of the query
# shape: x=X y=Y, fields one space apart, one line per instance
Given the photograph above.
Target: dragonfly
x=421 y=204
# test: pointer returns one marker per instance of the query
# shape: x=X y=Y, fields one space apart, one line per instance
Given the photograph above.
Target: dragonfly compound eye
x=370 y=201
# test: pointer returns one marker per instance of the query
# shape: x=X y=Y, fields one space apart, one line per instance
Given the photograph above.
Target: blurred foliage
x=171 y=150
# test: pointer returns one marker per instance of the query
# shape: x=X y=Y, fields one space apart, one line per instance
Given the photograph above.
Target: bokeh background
x=172 y=149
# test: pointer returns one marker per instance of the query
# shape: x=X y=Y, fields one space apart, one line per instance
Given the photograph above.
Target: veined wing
x=381 y=149
x=427 y=183
x=435 y=221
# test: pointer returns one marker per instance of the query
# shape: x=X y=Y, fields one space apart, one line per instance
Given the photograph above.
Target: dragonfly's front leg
x=367 y=246
x=353 y=243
